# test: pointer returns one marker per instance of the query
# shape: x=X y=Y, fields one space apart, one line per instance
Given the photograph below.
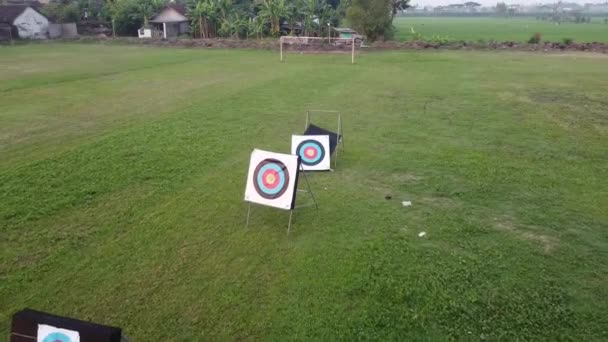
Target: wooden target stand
x=336 y=139
x=291 y=211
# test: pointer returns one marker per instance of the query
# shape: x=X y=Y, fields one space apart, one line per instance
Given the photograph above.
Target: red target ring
x=311 y=152
x=270 y=178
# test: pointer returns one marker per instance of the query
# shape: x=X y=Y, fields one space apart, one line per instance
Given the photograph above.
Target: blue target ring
x=56 y=337
x=311 y=152
x=270 y=178
x=280 y=181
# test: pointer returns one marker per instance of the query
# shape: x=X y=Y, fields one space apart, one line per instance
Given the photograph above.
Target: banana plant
x=147 y=8
x=273 y=11
x=233 y=26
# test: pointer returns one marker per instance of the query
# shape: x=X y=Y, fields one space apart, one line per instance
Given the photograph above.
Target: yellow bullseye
x=310 y=152
x=270 y=179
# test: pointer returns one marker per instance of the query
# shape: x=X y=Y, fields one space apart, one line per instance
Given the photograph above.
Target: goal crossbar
x=323 y=42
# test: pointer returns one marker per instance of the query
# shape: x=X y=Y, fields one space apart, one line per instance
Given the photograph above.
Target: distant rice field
x=500 y=29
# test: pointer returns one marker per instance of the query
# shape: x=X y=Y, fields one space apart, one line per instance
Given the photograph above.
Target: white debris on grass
x=407 y=203
x=422 y=234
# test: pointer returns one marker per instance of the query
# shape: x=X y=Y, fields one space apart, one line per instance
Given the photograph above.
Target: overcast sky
x=492 y=2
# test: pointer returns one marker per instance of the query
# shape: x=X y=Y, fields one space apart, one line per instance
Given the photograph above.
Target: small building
x=25 y=22
x=6 y=32
x=288 y=28
x=348 y=33
x=344 y=32
x=170 y=22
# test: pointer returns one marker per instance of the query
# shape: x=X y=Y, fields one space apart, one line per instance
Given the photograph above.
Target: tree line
x=240 y=18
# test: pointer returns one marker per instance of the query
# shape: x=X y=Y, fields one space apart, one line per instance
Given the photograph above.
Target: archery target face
x=313 y=151
x=272 y=179
x=49 y=333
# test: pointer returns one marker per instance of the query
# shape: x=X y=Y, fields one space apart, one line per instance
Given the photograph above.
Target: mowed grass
x=500 y=29
x=122 y=174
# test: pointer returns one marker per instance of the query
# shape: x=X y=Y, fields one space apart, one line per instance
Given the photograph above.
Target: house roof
x=33 y=3
x=344 y=30
x=8 y=13
x=164 y=16
x=181 y=9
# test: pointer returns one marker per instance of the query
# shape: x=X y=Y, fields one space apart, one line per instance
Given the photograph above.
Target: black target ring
x=270 y=178
x=306 y=147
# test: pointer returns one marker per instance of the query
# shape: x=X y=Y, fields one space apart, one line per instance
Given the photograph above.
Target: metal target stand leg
x=248 y=213
x=340 y=138
x=309 y=188
x=291 y=212
x=289 y=225
x=341 y=130
x=307 y=119
x=312 y=195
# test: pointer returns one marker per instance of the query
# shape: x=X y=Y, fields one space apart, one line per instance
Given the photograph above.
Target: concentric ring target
x=56 y=337
x=270 y=178
x=311 y=152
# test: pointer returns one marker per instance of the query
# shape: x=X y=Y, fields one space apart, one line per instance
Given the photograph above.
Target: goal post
x=318 y=44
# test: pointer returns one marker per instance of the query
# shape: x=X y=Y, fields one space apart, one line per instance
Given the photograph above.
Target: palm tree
x=114 y=7
x=273 y=10
x=309 y=24
x=224 y=8
x=256 y=26
x=233 y=26
x=204 y=15
x=325 y=14
x=401 y=5
x=147 y=8
x=196 y=16
x=296 y=11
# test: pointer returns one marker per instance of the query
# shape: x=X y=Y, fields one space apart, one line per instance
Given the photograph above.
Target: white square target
x=313 y=151
x=49 y=333
x=272 y=179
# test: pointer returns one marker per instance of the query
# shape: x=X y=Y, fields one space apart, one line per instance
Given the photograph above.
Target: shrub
x=441 y=40
x=535 y=39
x=62 y=13
x=568 y=41
x=416 y=35
x=371 y=18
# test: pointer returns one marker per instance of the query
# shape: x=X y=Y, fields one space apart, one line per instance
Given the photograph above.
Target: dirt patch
x=575 y=109
x=405 y=178
x=548 y=243
x=504 y=223
x=507 y=45
x=575 y=54
x=547 y=97
x=510 y=225
x=439 y=202
x=382 y=184
x=568 y=97
x=273 y=44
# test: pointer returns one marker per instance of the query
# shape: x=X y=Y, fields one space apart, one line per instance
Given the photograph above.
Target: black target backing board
x=271 y=179
x=30 y=325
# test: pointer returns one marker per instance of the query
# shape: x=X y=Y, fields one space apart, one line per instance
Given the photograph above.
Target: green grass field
x=500 y=29
x=123 y=168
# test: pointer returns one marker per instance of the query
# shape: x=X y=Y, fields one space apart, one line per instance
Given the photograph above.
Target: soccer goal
x=319 y=45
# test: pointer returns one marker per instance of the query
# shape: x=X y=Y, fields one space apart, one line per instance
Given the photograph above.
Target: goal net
x=319 y=44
